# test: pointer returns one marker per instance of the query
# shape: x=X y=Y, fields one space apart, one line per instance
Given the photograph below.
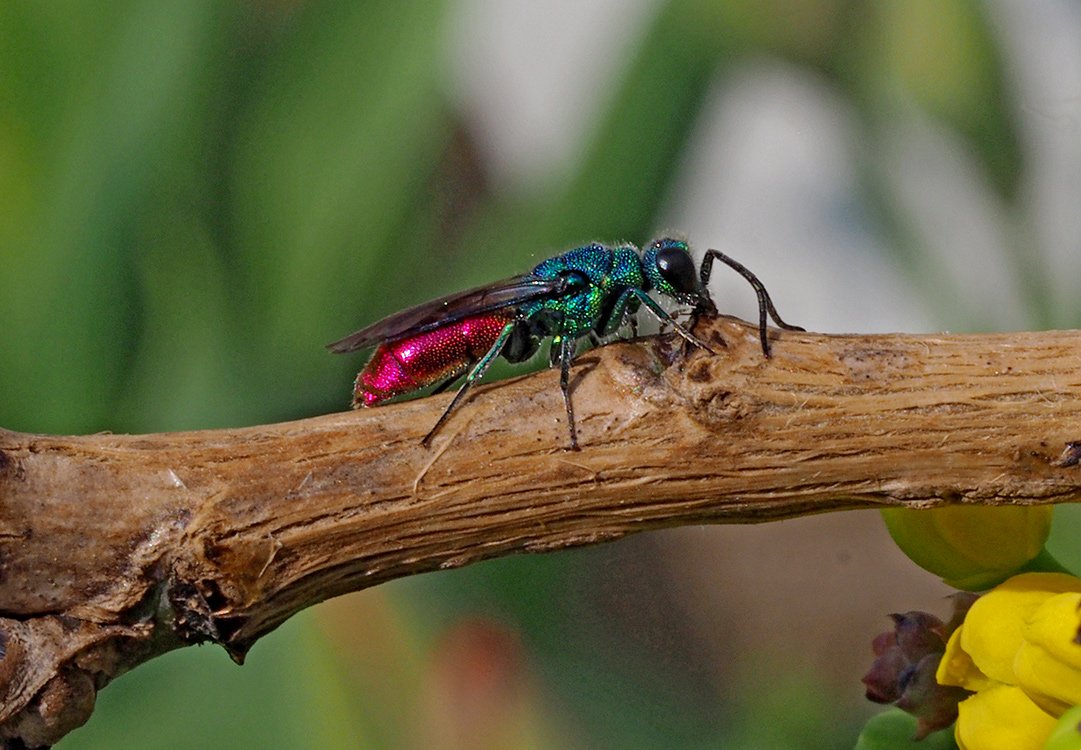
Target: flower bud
x=903 y=672
x=971 y=547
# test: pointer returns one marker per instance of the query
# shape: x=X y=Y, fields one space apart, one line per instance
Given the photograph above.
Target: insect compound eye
x=670 y=269
x=677 y=268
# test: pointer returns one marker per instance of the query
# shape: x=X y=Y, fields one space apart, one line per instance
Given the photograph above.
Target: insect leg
x=765 y=304
x=450 y=381
x=664 y=317
x=475 y=374
x=566 y=351
x=555 y=350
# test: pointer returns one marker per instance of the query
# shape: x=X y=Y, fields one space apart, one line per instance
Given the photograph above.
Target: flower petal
x=1048 y=664
x=1001 y=718
x=1054 y=627
x=956 y=667
x=992 y=633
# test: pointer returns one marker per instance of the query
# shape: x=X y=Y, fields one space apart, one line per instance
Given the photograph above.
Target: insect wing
x=450 y=309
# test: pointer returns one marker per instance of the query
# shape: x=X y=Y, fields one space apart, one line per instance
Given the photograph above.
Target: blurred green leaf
x=1065 y=533
x=182 y=372
x=942 y=53
x=288 y=694
x=625 y=173
x=341 y=132
x=893 y=729
x=67 y=284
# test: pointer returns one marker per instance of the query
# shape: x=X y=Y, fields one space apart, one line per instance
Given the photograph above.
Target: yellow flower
x=971 y=547
x=1001 y=718
x=1048 y=664
x=1017 y=650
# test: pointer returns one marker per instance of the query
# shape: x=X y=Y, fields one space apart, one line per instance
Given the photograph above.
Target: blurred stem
x=939 y=62
x=650 y=118
x=635 y=148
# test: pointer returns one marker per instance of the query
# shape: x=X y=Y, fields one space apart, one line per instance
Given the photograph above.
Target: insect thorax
x=609 y=272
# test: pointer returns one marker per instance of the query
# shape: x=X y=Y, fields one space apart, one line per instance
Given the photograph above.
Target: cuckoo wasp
x=589 y=291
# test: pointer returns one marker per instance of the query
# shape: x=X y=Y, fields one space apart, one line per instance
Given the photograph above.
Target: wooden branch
x=115 y=548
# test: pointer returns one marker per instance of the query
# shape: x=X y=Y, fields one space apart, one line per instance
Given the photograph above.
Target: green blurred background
x=198 y=194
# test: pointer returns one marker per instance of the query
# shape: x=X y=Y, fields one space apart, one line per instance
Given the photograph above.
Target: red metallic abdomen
x=412 y=363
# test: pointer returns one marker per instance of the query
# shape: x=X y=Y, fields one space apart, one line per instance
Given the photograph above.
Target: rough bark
x=116 y=548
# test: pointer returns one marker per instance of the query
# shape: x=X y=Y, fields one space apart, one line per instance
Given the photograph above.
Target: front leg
x=664 y=317
x=765 y=304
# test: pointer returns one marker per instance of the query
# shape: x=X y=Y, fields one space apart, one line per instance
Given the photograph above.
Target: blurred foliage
x=894 y=730
x=199 y=193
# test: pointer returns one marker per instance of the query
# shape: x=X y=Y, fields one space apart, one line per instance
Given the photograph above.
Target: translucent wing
x=452 y=308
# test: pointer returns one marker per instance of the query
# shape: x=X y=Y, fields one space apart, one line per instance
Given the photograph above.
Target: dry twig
x=115 y=548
